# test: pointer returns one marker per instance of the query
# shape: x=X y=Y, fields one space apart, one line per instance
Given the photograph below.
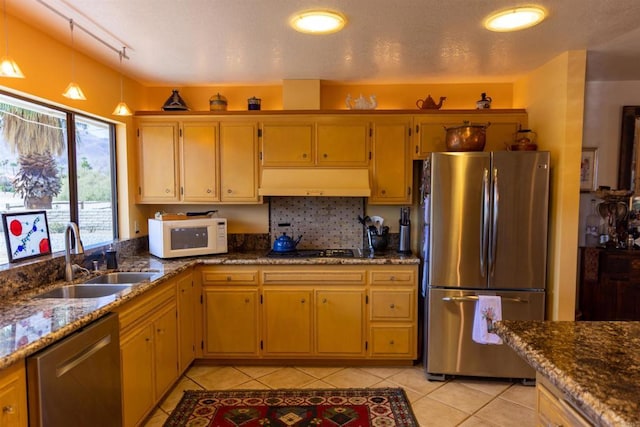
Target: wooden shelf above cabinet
x=320 y=112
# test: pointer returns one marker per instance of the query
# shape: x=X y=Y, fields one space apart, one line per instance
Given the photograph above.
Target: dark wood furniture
x=609 y=284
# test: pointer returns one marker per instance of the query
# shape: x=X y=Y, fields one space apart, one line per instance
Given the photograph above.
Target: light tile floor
x=457 y=402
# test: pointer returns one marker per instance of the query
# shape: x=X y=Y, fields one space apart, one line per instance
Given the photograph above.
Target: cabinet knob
x=166 y=190
x=208 y=191
x=325 y=155
x=383 y=192
x=391 y=342
x=324 y=300
x=228 y=278
x=392 y=306
x=8 y=410
x=304 y=155
x=302 y=301
x=160 y=331
x=147 y=339
x=247 y=300
x=392 y=278
x=229 y=191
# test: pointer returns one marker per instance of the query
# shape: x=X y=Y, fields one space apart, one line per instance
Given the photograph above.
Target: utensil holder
x=378 y=242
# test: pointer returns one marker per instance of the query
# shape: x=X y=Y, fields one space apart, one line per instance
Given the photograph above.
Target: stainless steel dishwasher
x=76 y=381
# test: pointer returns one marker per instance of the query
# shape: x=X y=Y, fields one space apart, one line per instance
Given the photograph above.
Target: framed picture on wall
x=588 y=168
x=26 y=234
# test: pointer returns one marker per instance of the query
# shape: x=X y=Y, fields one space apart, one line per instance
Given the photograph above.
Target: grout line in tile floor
x=461 y=401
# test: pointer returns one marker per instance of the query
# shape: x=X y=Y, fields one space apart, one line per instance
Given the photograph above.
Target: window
x=41 y=168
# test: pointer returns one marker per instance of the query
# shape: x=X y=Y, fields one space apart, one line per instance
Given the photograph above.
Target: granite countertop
x=596 y=364
x=28 y=325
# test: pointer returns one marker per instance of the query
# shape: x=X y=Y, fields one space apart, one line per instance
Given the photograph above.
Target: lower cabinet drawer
x=227 y=277
x=392 y=305
x=391 y=341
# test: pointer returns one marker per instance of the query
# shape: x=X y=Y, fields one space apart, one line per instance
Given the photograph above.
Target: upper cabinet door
x=158 y=154
x=199 y=151
x=239 y=162
x=343 y=142
x=391 y=169
x=287 y=143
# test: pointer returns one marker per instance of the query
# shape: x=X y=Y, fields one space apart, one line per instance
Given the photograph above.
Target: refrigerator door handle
x=494 y=225
x=474 y=298
x=484 y=218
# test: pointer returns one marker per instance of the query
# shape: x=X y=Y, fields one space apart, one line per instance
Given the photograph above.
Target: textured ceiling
x=207 y=42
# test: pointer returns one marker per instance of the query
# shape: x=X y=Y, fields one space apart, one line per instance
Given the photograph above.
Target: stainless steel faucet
x=68 y=250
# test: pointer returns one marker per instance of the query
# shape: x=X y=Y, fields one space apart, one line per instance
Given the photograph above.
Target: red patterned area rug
x=376 y=407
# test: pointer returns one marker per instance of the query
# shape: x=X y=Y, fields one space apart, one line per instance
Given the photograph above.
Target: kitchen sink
x=124 y=277
x=84 y=291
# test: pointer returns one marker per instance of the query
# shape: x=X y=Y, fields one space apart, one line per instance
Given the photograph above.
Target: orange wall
x=46 y=64
x=554 y=97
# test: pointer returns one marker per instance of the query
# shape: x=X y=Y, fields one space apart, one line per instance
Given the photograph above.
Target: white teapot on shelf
x=361 y=103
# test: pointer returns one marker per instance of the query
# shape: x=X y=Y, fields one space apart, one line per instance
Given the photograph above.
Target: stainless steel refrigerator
x=485 y=233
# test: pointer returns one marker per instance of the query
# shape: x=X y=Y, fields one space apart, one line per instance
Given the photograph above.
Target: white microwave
x=187 y=237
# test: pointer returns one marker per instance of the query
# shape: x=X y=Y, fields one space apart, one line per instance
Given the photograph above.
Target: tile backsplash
x=323 y=222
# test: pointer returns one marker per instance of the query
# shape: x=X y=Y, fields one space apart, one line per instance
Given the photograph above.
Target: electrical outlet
x=136 y=227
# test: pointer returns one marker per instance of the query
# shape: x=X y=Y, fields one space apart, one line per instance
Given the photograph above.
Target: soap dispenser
x=112 y=260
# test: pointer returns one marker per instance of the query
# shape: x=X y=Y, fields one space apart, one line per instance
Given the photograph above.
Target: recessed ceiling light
x=515 y=19
x=318 y=22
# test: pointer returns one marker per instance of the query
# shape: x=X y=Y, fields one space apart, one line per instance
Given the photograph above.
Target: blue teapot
x=285 y=243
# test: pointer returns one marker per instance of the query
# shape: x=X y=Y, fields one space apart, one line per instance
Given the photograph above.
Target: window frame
x=74 y=206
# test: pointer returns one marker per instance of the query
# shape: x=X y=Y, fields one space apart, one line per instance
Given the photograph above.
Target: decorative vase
x=175 y=102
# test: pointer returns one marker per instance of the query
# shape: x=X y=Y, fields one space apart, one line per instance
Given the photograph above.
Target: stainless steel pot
x=468 y=137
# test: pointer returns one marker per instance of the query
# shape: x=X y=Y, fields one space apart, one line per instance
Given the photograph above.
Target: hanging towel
x=488 y=310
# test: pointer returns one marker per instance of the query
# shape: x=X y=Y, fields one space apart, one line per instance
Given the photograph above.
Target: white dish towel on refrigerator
x=488 y=311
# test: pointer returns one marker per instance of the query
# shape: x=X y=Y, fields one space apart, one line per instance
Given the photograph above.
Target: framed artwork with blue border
x=26 y=234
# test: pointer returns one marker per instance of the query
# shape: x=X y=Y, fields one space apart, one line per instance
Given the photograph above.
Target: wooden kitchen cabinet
x=340 y=322
x=287 y=143
x=392 y=312
x=553 y=409
x=199 y=162
x=287 y=322
x=231 y=312
x=186 y=300
x=158 y=162
x=430 y=129
x=391 y=171
x=328 y=141
x=609 y=284
x=239 y=162
x=310 y=312
x=13 y=396
x=136 y=357
x=178 y=161
x=342 y=142
x=313 y=311
x=148 y=350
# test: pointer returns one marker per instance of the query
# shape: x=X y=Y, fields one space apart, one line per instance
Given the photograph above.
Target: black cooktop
x=312 y=253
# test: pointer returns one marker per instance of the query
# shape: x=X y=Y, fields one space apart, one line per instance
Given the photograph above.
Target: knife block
x=404 y=247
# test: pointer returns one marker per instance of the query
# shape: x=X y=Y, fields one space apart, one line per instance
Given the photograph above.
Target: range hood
x=315 y=182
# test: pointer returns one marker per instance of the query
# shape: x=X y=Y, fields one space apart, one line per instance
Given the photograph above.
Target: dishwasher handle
x=82 y=355
x=473 y=298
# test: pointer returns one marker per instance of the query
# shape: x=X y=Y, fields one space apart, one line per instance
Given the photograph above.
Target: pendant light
x=73 y=91
x=8 y=67
x=122 y=109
